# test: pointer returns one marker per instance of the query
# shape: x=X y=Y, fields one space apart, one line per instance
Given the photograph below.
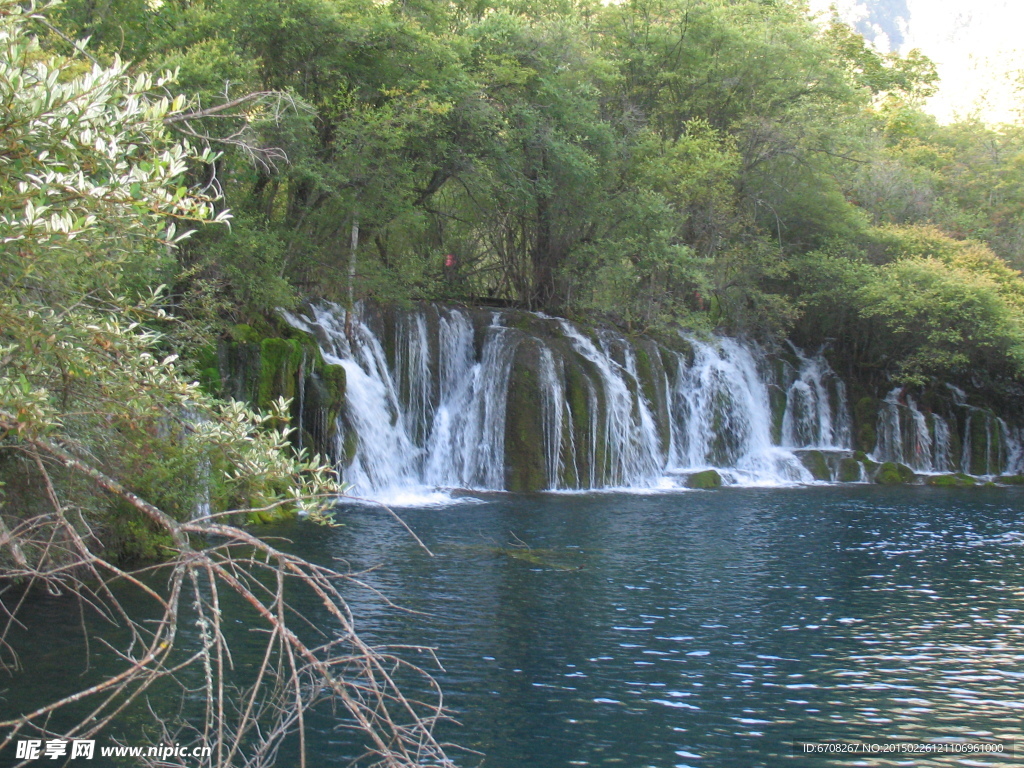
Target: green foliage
x=712 y=163
x=944 y=319
x=93 y=200
x=913 y=76
x=929 y=307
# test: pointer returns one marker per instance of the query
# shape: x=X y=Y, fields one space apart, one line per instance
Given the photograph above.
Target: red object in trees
x=449 y=261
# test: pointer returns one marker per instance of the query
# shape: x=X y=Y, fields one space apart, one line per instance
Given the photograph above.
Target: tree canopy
x=654 y=161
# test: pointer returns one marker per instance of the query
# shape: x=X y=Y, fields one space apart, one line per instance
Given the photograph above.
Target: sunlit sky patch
x=975 y=44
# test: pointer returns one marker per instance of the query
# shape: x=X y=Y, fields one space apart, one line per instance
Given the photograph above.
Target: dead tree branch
x=213 y=568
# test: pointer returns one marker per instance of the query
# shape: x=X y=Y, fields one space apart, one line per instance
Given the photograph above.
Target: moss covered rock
x=1010 y=480
x=259 y=369
x=850 y=471
x=814 y=462
x=865 y=421
x=891 y=473
x=525 y=465
x=709 y=478
x=243 y=333
x=586 y=404
x=777 y=401
x=650 y=369
x=958 y=480
x=280 y=361
x=870 y=467
x=978 y=431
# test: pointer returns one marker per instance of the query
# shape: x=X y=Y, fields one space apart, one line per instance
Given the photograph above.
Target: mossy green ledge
x=814 y=462
x=709 y=478
x=525 y=467
x=850 y=471
x=260 y=366
x=891 y=473
x=957 y=480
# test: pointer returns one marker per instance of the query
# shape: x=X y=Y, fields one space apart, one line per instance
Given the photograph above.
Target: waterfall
x=817 y=413
x=412 y=374
x=405 y=437
x=920 y=450
x=554 y=405
x=910 y=436
x=930 y=442
x=943 y=461
x=1014 y=449
x=386 y=457
x=631 y=452
x=965 y=452
x=428 y=407
x=466 y=448
x=723 y=416
x=890 y=430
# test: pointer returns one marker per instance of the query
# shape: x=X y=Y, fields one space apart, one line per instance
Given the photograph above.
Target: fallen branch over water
x=212 y=568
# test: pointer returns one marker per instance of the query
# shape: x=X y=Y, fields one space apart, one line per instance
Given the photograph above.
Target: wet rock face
x=709 y=478
x=958 y=480
x=850 y=471
x=816 y=465
x=510 y=400
x=259 y=370
x=499 y=399
x=525 y=458
x=891 y=473
x=938 y=432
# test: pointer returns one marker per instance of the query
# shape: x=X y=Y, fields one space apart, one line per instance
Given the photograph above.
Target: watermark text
x=73 y=749
x=838 y=748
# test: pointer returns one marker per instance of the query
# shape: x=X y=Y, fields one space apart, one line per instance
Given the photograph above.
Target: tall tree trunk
x=542 y=256
x=351 y=303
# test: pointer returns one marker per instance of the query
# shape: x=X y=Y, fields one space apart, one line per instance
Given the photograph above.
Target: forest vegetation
x=729 y=165
x=725 y=164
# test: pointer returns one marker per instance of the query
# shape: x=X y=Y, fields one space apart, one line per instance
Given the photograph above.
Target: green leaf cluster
x=730 y=164
x=93 y=199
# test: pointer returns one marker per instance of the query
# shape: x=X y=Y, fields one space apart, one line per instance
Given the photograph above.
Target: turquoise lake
x=666 y=630
x=706 y=628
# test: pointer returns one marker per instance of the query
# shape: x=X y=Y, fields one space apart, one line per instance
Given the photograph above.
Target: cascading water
x=909 y=436
x=930 y=443
x=406 y=439
x=1014 y=449
x=632 y=455
x=943 y=461
x=386 y=457
x=817 y=413
x=554 y=405
x=723 y=416
x=428 y=394
x=466 y=448
x=412 y=375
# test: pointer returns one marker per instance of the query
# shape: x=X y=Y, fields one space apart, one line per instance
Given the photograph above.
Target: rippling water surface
x=698 y=628
x=709 y=628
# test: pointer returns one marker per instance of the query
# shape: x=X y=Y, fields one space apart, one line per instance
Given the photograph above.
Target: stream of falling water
x=431 y=415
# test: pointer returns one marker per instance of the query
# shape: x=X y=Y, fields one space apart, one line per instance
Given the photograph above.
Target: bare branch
x=242 y=727
x=274 y=104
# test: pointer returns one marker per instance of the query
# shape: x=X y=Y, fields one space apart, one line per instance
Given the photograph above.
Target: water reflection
x=701 y=628
x=717 y=628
